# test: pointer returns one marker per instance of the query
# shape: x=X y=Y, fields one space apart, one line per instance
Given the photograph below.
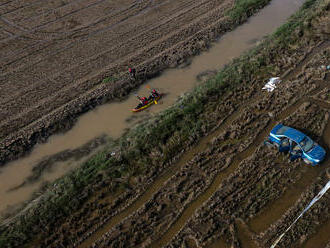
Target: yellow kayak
x=147 y=105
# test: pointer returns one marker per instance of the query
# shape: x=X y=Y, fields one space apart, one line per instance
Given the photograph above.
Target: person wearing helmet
x=154 y=94
x=144 y=100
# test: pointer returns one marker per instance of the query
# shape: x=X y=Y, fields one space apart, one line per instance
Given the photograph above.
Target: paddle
x=148 y=87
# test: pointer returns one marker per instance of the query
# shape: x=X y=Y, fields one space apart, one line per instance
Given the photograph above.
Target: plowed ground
x=54 y=55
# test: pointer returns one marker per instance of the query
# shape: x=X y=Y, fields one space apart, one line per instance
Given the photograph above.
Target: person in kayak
x=154 y=94
x=143 y=101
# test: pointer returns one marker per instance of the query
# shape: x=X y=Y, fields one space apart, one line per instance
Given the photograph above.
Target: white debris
x=271 y=84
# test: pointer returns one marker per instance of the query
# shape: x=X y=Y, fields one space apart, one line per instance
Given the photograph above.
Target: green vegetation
x=245 y=8
x=110 y=79
x=165 y=135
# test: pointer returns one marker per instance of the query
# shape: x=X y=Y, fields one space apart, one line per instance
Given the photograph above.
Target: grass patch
x=110 y=79
x=245 y=8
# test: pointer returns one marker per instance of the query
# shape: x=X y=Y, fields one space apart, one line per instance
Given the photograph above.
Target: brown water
x=11 y=177
x=111 y=119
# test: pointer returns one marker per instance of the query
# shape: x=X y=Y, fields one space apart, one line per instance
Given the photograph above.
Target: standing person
x=132 y=73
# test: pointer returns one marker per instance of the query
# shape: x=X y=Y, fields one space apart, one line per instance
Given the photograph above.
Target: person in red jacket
x=144 y=100
x=132 y=73
x=154 y=94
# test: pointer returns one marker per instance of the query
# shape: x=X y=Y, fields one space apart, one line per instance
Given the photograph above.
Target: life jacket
x=144 y=100
x=154 y=93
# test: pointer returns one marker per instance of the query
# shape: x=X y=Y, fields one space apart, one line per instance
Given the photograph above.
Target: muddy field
x=55 y=55
x=227 y=189
x=237 y=181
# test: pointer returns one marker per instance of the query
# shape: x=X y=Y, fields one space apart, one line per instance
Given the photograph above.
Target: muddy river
x=114 y=118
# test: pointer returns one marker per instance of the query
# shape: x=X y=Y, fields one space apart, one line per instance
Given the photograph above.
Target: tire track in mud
x=73 y=34
x=50 y=11
x=202 y=145
x=99 y=31
x=40 y=3
x=21 y=7
x=2 y=4
x=90 y=77
x=84 y=36
x=11 y=24
x=114 y=48
x=161 y=180
x=320 y=239
x=30 y=31
x=240 y=157
x=275 y=209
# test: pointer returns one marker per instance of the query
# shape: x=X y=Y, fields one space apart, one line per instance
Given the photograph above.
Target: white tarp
x=271 y=84
x=315 y=199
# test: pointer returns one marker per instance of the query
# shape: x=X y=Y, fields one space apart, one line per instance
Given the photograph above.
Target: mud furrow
x=38 y=9
x=244 y=235
x=50 y=11
x=50 y=22
x=158 y=183
x=127 y=36
x=320 y=239
x=62 y=36
x=99 y=72
x=274 y=210
x=202 y=199
x=214 y=134
x=2 y=4
x=20 y=7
